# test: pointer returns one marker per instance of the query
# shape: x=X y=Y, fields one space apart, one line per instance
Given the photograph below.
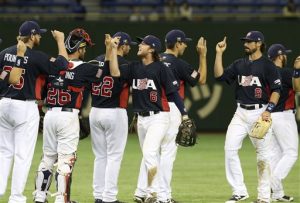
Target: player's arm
x=111 y=53
x=296 y=75
x=274 y=81
x=16 y=71
x=202 y=51
x=218 y=67
x=60 y=40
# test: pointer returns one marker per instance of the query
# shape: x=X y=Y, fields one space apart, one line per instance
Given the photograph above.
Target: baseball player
x=176 y=43
x=109 y=124
x=61 y=123
x=152 y=86
x=19 y=115
x=284 y=126
x=254 y=76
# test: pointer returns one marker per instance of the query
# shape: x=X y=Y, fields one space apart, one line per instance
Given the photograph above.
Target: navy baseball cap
x=176 y=36
x=255 y=36
x=152 y=41
x=30 y=27
x=125 y=38
x=276 y=50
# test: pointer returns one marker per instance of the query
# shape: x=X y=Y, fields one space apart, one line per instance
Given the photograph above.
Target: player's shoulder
x=285 y=71
x=37 y=54
x=100 y=57
x=12 y=49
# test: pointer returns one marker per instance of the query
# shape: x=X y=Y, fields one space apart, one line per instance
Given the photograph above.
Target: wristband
x=19 y=62
x=296 y=73
x=270 y=107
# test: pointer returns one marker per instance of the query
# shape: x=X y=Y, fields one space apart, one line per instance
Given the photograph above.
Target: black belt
x=21 y=99
x=147 y=113
x=251 y=106
x=63 y=109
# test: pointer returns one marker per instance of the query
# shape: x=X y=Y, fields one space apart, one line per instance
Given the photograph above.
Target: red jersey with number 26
x=66 y=89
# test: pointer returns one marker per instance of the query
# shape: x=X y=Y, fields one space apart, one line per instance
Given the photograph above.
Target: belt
x=147 y=113
x=251 y=106
x=62 y=109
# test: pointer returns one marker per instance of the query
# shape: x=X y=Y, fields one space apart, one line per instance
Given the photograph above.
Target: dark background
x=221 y=105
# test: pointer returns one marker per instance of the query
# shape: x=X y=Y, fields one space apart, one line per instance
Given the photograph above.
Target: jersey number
x=153 y=96
x=20 y=84
x=57 y=96
x=103 y=88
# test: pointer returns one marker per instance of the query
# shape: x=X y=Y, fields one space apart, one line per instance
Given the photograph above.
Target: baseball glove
x=84 y=127
x=260 y=128
x=187 y=135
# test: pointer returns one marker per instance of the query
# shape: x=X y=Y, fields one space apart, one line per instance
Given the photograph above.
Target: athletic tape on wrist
x=270 y=107
x=296 y=73
x=19 y=62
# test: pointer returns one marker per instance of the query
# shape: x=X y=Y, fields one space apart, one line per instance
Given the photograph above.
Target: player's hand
x=221 y=46
x=107 y=40
x=266 y=116
x=21 y=48
x=115 y=42
x=201 y=46
x=58 y=36
x=297 y=63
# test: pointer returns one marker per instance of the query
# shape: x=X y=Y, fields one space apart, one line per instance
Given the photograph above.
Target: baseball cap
x=152 y=41
x=276 y=50
x=176 y=36
x=255 y=36
x=30 y=27
x=125 y=38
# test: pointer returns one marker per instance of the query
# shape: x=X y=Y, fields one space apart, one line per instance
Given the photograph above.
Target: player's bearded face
x=249 y=51
x=36 y=40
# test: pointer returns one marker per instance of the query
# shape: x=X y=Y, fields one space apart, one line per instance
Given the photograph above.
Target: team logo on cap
x=280 y=52
x=179 y=39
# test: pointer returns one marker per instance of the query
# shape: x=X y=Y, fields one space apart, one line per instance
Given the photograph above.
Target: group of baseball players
x=157 y=81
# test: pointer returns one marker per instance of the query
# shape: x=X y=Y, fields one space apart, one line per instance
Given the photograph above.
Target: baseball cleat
x=150 y=200
x=138 y=199
x=98 y=200
x=237 y=198
x=283 y=199
x=117 y=201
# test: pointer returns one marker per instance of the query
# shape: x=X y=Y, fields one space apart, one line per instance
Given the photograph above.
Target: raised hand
x=21 y=48
x=57 y=35
x=201 y=46
x=221 y=46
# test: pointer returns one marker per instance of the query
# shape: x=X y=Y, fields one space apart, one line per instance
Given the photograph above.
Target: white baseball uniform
x=109 y=130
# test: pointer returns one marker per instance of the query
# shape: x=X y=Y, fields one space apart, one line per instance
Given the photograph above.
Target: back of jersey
x=110 y=92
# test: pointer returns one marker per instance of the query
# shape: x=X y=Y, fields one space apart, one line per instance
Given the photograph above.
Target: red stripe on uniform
x=75 y=89
x=290 y=102
x=79 y=100
x=124 y=96
x=39 y=86
x=181 y=89
x=164 y=101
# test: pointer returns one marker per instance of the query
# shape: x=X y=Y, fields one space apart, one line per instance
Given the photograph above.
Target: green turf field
x=199 y=174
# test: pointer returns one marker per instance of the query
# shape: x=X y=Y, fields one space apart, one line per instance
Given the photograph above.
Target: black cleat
x=237 y=198
x=98 y=200
x=284 y=199
x=138 y=199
